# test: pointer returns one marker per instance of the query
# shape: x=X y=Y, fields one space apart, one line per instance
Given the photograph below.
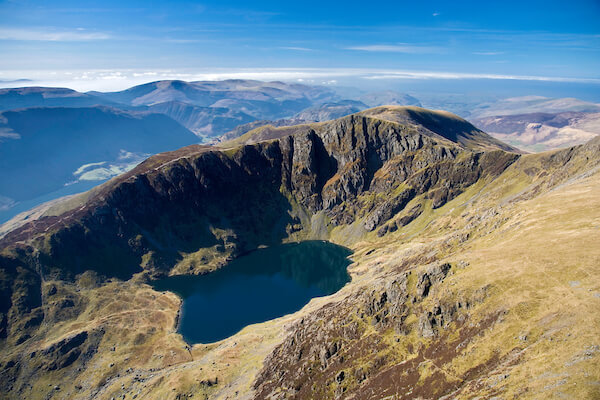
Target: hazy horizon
x=360 y=81
x=411 y=47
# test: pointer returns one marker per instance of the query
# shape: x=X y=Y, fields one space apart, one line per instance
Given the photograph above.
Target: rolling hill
x=26 y=97
x=261 y=100
x=203 y=121
x=532 y=104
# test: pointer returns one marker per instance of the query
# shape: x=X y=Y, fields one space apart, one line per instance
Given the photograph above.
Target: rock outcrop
x=358 y=168
x=369 y=177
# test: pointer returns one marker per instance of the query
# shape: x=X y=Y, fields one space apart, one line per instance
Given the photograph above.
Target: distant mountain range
x=246 y=99
x=203 y=121
x=536 y=132
x=532 y=104
x=25 y=97
x=60 y=141
x=389 y=97
x=329 y=111
x=318 y=113
x=57 y=141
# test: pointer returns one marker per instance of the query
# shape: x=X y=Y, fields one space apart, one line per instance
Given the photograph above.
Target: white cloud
x=296 y=48
x=8 y=133
x=402 y=48
x=6 y=203
x=139 y=74
x=457 y=75
x=82 y=169
x=51 y=35
x=488 y=53
x=109 y=80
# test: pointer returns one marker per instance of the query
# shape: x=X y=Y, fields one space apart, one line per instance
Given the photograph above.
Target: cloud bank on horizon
x=111 y=45
x=113 y=80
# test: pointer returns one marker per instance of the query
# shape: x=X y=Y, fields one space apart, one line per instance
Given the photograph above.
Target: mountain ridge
x=338 y=133
x=426 y=217
x=25 y=97
x=456 y=129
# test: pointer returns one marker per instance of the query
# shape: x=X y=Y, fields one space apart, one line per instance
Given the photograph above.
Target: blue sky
x=122 y=41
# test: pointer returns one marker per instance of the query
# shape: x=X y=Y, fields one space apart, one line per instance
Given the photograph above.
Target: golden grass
x=538 y=257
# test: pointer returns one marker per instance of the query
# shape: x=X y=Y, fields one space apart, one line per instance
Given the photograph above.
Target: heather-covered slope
x=443 y=223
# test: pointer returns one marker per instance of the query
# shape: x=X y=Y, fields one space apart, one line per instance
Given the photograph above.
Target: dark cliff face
x=357 y=169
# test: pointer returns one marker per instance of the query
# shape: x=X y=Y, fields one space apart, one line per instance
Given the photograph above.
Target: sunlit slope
x=482 y=282
x=440 y=124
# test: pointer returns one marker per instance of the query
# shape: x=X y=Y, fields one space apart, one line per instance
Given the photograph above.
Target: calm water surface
x=262 y=285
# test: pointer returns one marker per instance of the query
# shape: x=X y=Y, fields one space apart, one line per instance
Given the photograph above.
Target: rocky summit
x=475 y=269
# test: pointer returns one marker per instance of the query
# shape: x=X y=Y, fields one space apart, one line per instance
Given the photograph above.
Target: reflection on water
x=262 y=285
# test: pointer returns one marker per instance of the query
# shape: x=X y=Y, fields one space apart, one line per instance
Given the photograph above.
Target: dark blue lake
x=262 y=285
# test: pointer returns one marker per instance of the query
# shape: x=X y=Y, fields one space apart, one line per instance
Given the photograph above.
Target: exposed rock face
x=360 y=171
x=331 y=355
x=78 y=348
x=427 y=278
x=161 y=211
x=358 y=351
x=20 y=300
x=63 y=353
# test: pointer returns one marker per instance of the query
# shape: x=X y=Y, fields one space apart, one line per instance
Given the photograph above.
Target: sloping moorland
x=475 y=269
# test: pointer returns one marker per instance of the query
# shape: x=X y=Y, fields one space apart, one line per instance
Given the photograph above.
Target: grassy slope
x=541 y=261
x=537 y=253
x=538 y=256
x=545 y=269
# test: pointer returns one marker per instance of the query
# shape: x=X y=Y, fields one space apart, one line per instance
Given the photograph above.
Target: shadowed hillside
x=47 y=97
x=45 y=147
x=450 y=234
